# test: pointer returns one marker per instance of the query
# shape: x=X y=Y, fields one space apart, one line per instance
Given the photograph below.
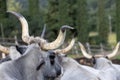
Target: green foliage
x=13 y=5
x=33 y=7
x=81 y=21
x=118 y=19
x=9 y=27
x=81 y=14
x=35 y=17
x=3 y=8
x=52 y=19
x=63 y=12
x=72 y=11
x=3 y=15
x=102 y=25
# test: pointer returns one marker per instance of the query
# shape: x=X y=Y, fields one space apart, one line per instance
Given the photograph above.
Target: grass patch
x=93 y=34
x=112 y=39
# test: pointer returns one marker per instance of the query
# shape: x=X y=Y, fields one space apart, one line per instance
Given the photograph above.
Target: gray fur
x=107 y=68
x=74 y=71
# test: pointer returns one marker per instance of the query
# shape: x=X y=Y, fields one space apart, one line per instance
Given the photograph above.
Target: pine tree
x=52 y=14
x=102 y=25
x=33 y=7
x=118 y=19
x=81 y=21
x=72 y=11
x=63 y=12
x=52 y=19
x=35 y=17
x=3 y=8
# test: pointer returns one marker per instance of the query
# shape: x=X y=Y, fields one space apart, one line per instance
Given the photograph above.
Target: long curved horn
x=3 y=49
x=60 y=39
x=84 y=51
x=114 y=51
x=25 y=30
x=68 y=48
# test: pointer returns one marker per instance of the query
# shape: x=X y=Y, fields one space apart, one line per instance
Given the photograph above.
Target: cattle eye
x=51 y=56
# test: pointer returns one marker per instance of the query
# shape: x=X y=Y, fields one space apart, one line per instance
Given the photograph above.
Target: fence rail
x=91 y=49
x=10 y=41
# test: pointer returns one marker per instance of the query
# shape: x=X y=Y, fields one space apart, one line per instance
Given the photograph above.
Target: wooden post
x=101 y=48
x=88 y=48
x=16 y=41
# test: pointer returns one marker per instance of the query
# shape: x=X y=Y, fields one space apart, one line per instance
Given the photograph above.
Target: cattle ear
x=106 y=57
x=93 y=60
x=65 y=55
x=18 y=49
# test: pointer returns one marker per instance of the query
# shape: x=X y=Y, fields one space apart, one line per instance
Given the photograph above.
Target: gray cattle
x=72 y=70
x=30 y=64
x=103 y=64
x=51 y=67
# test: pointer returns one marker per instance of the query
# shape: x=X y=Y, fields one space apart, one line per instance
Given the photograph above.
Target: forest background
x=96 y=21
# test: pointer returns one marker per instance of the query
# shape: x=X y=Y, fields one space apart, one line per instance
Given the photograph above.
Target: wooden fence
x=91 y=49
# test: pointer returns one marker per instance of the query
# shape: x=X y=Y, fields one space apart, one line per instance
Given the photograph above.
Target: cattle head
x=100 y=60
x=51 y=68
